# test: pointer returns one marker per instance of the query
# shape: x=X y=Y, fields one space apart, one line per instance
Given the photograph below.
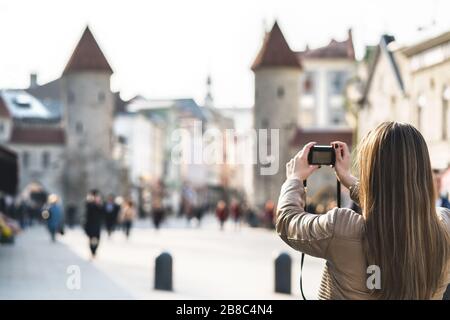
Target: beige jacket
x=336 y=237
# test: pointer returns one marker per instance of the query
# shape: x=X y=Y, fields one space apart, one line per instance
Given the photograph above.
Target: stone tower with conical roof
x=277 y=71
x=88 y=107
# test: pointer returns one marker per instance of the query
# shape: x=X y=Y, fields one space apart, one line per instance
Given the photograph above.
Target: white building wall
x=424 y=89
x=317 y=108
x=144 y=148
x=50 y=176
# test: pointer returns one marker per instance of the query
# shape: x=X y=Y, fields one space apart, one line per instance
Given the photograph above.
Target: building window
x=25 y=159
x=45 y=159
x=393 y=105
x=308 y=83
x=421 y=103
x=70 y=97
x=337 y=82
x=445 y=113
x=101 y=97
x=280 y=92
x=419 y=117
x=79 y=127
x=445 y=123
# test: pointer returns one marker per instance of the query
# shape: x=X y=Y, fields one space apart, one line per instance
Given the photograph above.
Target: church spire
x=209 y=100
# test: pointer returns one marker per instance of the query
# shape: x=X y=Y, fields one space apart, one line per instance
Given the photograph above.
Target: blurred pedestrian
x=222 y=213
x=94 y=219
x=127 y=215
x=158 y=209
x=71 y=212
x=53 y=215
x=250 y=216
x=441 y=201
x=111 y=214
x=441 y=198
x=269 y=213
x=236 y=213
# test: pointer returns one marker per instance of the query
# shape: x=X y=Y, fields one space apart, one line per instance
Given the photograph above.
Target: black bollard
x=163 y=272
x=283 y=265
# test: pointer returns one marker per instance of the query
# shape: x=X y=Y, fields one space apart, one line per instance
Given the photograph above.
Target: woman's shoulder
x=348 y=224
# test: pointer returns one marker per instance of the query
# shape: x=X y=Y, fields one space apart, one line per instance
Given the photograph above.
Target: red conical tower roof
x=275 y=52
x=87 y=56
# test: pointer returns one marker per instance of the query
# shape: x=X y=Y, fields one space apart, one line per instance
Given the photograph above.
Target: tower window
x=26 y=159
x=101 y=97
x=70 y=97
x=45 y=159
x=79 y=127
x=280 y=92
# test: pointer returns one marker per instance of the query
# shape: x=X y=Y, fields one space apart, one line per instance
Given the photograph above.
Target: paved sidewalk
x=208 y=264
x=35 y=268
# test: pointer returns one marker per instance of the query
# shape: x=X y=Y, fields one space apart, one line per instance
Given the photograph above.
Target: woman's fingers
x=342 y=150
x=307 y=148
x=305 y=151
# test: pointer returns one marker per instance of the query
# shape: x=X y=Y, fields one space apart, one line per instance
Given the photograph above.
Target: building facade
x=301 y=95
x=411 y=84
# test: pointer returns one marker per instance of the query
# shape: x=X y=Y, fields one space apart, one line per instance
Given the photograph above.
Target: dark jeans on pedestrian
x=127 y=227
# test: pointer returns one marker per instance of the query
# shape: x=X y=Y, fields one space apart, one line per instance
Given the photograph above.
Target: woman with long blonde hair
x=401 y=234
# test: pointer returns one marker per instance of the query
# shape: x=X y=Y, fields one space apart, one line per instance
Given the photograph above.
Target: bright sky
x=166 y=48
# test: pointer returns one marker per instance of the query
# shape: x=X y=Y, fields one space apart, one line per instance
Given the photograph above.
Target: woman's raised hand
x=298 y=167
x=343 y=163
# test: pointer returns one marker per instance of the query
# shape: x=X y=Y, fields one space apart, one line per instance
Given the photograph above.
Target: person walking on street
x=441 y=198
x=53 y=214
x=111 y=214
x=158 y=210
x=222 y=213
x=269 y=212
x=236 y=213
x=441 y=201
x=94 y=219
x=127 y=215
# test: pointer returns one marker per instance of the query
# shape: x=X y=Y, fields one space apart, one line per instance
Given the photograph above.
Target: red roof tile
x=334 y=50
x=38 y=135
x=275 y=52
x=87 y=56
x=4 y=111
x=325 y=136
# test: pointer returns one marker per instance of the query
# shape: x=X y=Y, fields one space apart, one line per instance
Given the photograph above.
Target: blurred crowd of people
x=112 y=213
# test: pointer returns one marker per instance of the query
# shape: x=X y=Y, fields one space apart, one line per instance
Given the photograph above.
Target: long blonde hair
x=404 y=236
